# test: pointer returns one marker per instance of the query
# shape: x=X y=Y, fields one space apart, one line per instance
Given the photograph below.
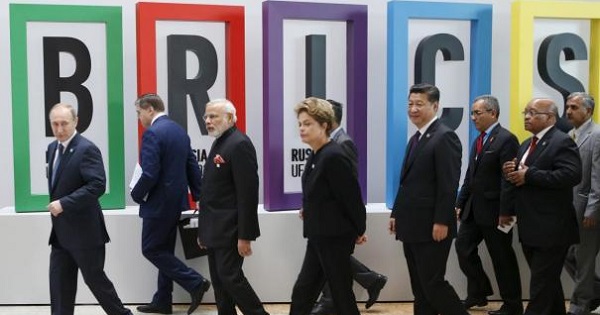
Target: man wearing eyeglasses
x=544 y=172
x=581 y=258
x=484 y=202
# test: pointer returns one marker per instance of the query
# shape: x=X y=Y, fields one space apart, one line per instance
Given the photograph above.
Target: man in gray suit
x=367 y=278
x=581 y=258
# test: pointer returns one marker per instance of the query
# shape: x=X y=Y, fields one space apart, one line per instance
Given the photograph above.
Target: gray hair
x=588 y=100
x=490 y=102
x=227 y=104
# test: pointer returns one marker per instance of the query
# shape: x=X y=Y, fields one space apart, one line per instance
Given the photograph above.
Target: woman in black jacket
x=333 y=212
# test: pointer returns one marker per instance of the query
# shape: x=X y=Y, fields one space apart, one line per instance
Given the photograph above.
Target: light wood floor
x=274 y=309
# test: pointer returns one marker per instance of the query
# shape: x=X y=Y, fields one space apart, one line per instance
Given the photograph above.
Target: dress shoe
x=323 y=308
x=152 y=308
x=471 y=302
x=374 y=290
x=197 y=295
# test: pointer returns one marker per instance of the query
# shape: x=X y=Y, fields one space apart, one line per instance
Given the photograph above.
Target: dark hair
x=151 y=100
x=433 y=93
x=338 y=110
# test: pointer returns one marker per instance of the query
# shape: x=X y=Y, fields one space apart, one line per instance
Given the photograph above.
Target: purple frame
x=274 y=13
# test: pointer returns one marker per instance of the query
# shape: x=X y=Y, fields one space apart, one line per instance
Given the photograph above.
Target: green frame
x=20 y=14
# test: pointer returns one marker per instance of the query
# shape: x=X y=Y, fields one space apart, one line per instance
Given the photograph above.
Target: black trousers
x=504 y=260
x=230 y=285
x=546 y=296
x=64 y=265
x=426 y=263
x=326 y=259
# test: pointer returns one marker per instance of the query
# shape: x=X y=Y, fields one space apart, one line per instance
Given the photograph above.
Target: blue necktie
x=61 y=148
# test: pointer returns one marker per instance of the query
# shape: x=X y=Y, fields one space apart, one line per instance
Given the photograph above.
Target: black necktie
x=59 y=155
x=412 y=144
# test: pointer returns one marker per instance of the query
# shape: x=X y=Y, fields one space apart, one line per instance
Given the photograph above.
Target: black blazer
x=428 y=186
x=80 y=181
x=485 y=193
x=544 y=204
x=331 y=198
x=229 y=197
x=169 y=168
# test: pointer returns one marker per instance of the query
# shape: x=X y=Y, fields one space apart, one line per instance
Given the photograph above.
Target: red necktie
x=479 y=143
x=532 y=146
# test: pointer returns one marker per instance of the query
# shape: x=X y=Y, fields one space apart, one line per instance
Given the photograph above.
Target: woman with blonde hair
x=333 y=212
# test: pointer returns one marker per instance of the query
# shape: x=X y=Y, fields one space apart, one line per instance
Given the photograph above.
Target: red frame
x=233 y=16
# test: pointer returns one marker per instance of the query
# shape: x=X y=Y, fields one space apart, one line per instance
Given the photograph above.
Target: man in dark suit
x=423 y=215
x=486 y=201
x=367 y=278
x=168 y=169
x=581 y=258
x=544 y=173
x=228 y=221
x=76 y=179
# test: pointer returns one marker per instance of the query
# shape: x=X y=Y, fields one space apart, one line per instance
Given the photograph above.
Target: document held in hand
x=506 y=228
x=135 y=177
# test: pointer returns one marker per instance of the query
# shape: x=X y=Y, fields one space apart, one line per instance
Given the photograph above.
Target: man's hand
x=392 y=226
x=509 y=166
x=244 y=248
x=517 y=177
x=200 y=244
x=504 y=220
x=301 y=214
x=55 y=208
x=361 y=239
x=457 y=211
x=440 y=232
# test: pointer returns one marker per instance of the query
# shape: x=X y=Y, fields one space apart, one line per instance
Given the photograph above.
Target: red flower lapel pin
x=218 y=160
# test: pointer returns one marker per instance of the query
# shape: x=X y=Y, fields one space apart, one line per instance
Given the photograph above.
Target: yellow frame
x=521 y=67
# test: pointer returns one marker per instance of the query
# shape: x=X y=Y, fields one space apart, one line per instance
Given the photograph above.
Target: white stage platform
x=271 y=270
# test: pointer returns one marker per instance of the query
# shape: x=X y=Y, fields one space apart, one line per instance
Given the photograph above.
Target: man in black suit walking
x=228 y=221
x=486 y=201
x=544 y=173
x=76 y=180
x=367 y=278
x=423 y=216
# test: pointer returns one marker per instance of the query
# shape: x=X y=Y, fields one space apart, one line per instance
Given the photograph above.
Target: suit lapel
x=65 y=157
x=408 y=160
x=485 y=147
x=584 y=134
x=540 y=146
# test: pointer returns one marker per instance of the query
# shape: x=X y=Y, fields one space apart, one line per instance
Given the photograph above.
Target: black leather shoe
x=471 y=302
x=151 y=308
x=375 y=289
x=197 y=295
x=323 y=308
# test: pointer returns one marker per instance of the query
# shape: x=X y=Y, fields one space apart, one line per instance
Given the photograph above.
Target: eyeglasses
x=210 y=116
x=532 y=112
x=477 y=113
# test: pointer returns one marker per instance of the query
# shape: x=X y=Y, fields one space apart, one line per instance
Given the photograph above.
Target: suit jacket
x=544 y=204
x=485 y=193
x=80 y=181
x=331 y=198
x=229 y=199
x=349 y=148
x=586 y=195
x=428 y=186
x=168 y=169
